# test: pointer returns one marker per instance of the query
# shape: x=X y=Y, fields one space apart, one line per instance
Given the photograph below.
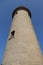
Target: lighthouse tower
x=22 y=46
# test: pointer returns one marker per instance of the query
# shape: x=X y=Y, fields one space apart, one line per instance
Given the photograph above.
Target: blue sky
x=6 y=9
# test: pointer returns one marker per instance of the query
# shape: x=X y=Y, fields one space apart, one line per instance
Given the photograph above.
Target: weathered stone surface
x=23 y=49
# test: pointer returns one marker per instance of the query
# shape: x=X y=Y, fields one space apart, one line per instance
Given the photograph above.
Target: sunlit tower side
x=22 y=46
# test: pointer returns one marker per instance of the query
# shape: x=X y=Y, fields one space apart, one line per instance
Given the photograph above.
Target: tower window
x=12 y=35
x=15 y=12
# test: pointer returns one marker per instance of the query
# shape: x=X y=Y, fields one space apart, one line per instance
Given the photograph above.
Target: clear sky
x=6 y=9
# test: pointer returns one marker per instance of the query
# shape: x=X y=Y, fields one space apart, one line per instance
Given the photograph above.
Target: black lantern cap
x=21 y=8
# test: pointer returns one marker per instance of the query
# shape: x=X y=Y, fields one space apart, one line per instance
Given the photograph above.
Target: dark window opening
x=15 y=12
x=12 y=35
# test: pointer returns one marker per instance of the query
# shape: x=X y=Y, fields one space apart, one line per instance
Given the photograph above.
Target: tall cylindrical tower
x=22 y=46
